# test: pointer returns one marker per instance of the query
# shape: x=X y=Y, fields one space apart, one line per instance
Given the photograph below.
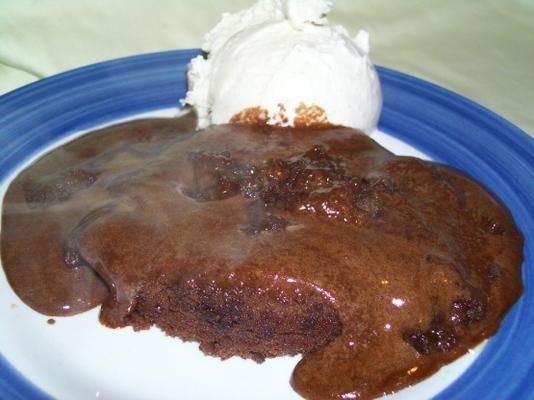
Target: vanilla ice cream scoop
x=281 y=63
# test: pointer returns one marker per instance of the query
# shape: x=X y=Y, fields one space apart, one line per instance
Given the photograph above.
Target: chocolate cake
x=259 y=241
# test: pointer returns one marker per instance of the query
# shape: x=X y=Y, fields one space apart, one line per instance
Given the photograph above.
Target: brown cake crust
x=263 y=241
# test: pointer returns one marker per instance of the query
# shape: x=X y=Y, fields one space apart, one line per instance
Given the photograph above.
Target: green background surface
x=482 y=49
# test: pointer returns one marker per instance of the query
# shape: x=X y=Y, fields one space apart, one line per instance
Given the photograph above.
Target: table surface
x=482 y=49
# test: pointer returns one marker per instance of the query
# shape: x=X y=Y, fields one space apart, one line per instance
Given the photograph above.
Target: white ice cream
x=283 y=57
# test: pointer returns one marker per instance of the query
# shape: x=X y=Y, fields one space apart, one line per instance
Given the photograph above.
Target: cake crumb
x=305 y=117
x=311 y=116
x=251 y=116
x=51 y=321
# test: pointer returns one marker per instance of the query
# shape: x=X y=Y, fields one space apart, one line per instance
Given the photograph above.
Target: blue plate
x=444 y=125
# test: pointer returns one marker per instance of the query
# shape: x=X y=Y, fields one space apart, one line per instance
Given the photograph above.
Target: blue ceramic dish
x=446 y=126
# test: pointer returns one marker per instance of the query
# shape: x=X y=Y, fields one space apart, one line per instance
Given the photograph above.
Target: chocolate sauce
x=418 y=262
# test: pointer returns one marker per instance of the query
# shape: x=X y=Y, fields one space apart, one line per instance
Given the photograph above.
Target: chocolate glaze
x=418 y=262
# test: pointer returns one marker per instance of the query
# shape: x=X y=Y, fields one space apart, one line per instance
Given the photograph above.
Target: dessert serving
x=279 y=227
